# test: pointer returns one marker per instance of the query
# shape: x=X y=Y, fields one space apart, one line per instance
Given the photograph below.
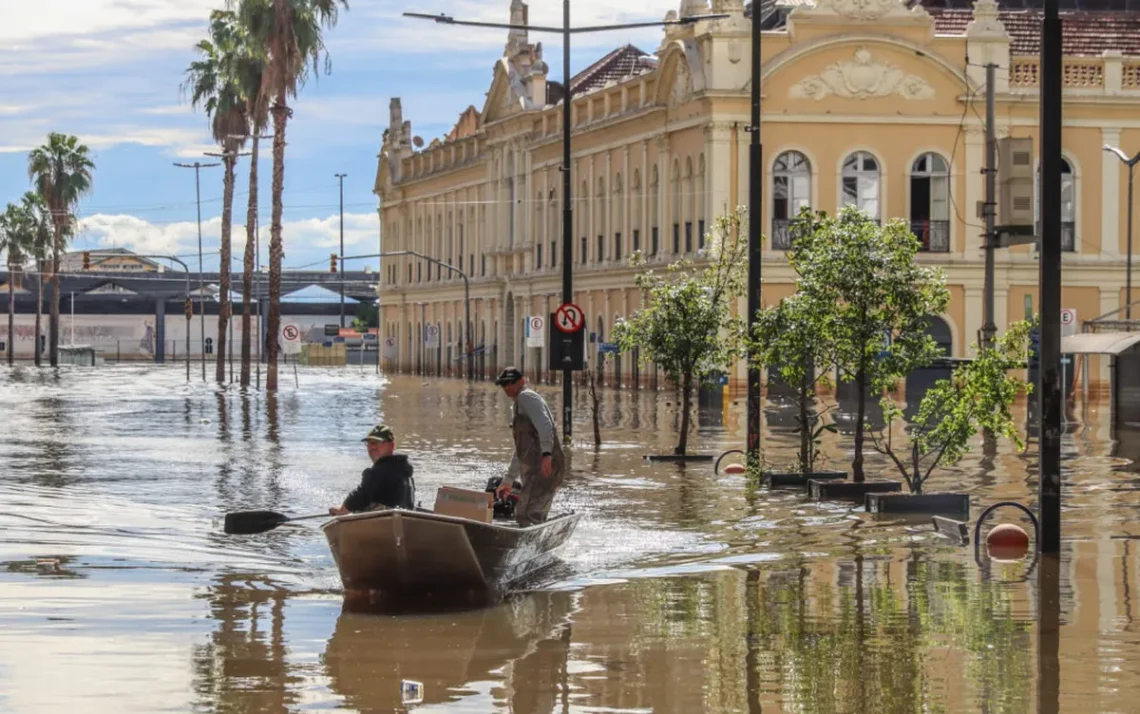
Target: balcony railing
x=934 y=235
x=1068 y=236
x=1092 y=74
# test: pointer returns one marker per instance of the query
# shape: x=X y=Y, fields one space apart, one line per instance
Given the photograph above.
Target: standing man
x=538 y=460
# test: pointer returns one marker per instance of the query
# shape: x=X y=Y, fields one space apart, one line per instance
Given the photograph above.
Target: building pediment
x=681 y=73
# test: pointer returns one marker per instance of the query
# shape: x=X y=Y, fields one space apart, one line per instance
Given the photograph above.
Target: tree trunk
x=53 y=315
x=224 y=304
x=11 y=320
x=594 y=404
x=860 y=414
x=276 y=253
x=39 y=318
x=686 y=402
x=250 y=259
x=805 y=430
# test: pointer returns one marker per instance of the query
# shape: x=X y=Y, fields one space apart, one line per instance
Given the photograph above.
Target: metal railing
x=934 y=235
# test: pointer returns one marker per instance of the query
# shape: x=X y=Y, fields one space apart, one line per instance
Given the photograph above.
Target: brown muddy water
x=681 y=591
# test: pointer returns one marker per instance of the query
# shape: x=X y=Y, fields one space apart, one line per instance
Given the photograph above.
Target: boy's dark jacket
x=388 y=483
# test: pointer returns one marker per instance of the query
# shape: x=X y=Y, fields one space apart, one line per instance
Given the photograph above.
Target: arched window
x=618 y=215
x=635 y=212
x=861 y=184
x=583 y=224
x=690 y=204
x=600 y=221
x=539 y=228
x=930 y=202
x=791 y=191
x=554 y=233
x=700 y=200
x=676 y=178
x=1068 y=206
x=510 y=198
x=654 y=216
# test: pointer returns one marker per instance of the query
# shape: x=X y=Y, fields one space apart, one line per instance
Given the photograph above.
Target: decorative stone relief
x=862 y=78
x=863 y=10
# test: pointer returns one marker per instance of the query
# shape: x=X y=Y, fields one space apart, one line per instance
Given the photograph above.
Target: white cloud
x=410 y=35
x=306 y=240
x=26 y=22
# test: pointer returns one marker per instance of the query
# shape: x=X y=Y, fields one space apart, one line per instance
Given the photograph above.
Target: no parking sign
x=535 y=331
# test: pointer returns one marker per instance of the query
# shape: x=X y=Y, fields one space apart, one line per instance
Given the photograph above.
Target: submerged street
x=679 y=592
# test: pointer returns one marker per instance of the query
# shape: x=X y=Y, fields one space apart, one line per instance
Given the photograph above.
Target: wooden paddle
x=249 y=522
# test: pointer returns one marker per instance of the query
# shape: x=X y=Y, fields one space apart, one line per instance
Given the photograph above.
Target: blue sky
x=109 y=71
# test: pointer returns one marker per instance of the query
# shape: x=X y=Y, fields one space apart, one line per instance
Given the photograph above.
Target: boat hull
x=425 y=557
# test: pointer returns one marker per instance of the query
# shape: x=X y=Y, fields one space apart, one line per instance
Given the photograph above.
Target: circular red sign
x=290 y=333
x=569 y=317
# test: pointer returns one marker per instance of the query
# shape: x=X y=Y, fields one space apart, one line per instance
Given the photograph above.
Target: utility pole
x=989 y=241
x=1050 y=388
x=197 y=166
x=567 y=212
x=755 y=239
x=1131 y=164
x=341 y=178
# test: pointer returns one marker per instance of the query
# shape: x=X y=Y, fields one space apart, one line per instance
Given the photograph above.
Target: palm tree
x=251 y=74
x=39 y=246
x=291 y=34
x=214 y=81
x=61 y=172
x=13 y=241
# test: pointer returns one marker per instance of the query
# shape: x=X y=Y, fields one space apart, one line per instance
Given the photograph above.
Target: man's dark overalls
x=538 y=492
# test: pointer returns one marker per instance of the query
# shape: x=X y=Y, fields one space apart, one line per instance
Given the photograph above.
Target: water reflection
x=681 y=591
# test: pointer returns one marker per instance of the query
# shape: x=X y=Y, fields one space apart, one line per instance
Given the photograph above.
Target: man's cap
x=382 y=432
x=510 y=375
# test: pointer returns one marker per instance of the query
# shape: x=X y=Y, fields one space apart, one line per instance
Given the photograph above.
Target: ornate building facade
x=876 y=103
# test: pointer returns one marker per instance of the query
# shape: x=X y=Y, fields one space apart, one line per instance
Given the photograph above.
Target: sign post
x=1068 y=329
x=535 y=331
x=291 y=346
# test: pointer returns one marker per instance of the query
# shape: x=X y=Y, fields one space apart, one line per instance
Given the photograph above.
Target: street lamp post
x=1131 y=164
x=567 y=212
x=340 y=177
x=445 y=266
x=197 y=165
x=186 y=268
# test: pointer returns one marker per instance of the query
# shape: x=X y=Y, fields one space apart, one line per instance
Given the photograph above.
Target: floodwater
x=681 y=591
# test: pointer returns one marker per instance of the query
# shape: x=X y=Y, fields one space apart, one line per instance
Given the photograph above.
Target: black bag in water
x=504 y=507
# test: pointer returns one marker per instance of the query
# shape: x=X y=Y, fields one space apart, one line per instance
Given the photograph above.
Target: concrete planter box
x=948 y=503
x=849 y=491
x=794 y=479
x=680 y=458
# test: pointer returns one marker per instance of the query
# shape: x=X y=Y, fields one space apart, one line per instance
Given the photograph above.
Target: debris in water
x=411 y=692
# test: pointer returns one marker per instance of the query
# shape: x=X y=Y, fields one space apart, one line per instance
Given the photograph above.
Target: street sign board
x=431 y=336
x=332 y=330
x=291 y=339
x=569 y=317
x=390 y=347
x=1068 y=322
x=535 y=331
x=607 y=348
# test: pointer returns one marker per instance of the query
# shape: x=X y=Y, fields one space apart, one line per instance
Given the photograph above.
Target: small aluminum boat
x=420 y=556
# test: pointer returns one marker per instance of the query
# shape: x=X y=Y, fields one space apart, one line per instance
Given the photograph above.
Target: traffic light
x=86 y=260
x=332 y=263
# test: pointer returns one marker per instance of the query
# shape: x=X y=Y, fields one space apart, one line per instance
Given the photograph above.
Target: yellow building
x=869 y=102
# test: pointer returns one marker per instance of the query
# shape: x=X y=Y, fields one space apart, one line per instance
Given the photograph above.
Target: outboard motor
x=504 y=507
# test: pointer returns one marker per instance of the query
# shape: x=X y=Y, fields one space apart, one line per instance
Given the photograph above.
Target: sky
x=110 y=72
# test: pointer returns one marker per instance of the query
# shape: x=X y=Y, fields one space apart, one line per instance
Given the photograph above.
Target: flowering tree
x=687 y=326
x=978 y=395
